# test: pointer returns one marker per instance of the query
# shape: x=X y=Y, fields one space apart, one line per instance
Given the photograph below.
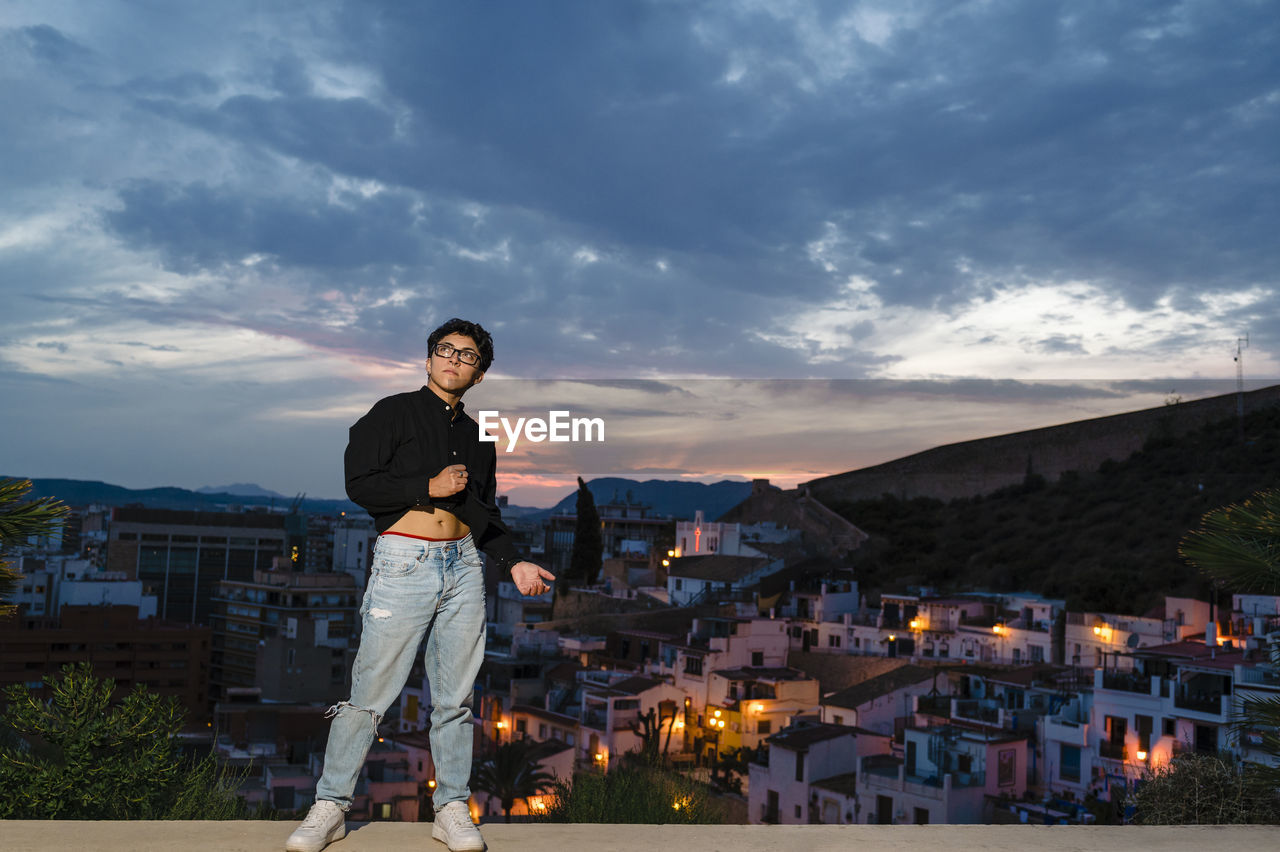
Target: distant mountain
x=241 y=489
x=666 y=497
x=80 y=492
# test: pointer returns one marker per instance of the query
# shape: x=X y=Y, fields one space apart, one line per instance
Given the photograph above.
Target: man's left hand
x=531 y=579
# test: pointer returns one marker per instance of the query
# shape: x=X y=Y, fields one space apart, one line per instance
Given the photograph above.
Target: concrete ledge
x=24 y=835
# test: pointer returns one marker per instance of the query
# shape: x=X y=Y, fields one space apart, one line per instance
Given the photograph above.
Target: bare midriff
x=430 y=522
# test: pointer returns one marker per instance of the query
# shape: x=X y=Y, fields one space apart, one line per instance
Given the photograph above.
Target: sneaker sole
x=437 y=833
x=334 y=836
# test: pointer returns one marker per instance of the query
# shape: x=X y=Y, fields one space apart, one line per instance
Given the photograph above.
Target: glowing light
x=1142 y=755
x=679 y=723
x=666 y=563
x=720 y=723
x=381 y=740
x=537 y=804
x=757 y=707
x=599 y=756
x=671 y=553
x=915 y=624
x=893 y=637
x=432 y=783
x=716 y=714
x=1097 y=631
x=500 y=725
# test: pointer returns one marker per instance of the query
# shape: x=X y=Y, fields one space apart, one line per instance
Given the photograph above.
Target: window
x=833 y=641
x=1143 y=725
x=521 y=726
x=799 y=766
x=764 y=726
x=1037 y=653
x=922 y=816
x=693 y=665
x=679 y=585
x=797 y=812
x=837 y=720
x=757 y=658
x=1170 y=727
x=1069 y=762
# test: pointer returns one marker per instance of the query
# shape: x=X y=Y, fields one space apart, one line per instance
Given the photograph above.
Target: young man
x=416 y=464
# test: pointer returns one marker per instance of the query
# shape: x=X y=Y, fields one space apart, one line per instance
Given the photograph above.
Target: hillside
x=980 y=466
x=1103 y=539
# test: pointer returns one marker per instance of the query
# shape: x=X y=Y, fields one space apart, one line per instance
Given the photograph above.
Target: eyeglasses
x=467 y=356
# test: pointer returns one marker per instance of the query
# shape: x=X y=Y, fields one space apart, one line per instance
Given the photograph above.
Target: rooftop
x=855 y=696
x=47 y=835
x=715 y=567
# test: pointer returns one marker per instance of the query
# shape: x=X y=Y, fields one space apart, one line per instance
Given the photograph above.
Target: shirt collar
x=437 y=404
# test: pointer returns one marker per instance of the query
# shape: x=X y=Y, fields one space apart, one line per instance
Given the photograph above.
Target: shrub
x=1204 y=789
x=631 y=793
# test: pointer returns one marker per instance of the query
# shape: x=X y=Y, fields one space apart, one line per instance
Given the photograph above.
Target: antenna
x=1242 y=343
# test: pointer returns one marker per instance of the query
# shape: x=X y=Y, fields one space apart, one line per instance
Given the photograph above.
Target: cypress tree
x=588 y=546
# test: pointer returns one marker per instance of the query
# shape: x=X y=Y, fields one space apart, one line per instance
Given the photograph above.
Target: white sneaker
x=453 y=827
x=325 y=823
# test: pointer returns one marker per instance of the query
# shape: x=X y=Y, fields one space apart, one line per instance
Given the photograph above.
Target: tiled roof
x=801 y=737
x=761 y=673
x=855 y=696
x=715 y=567
x=542 y=713
x=844 y=784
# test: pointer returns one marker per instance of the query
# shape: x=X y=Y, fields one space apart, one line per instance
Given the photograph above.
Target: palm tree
x=512 y=774
x=1239 y=545
x=19 y=520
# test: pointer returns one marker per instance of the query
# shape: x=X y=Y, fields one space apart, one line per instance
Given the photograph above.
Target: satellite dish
x=1132 y=641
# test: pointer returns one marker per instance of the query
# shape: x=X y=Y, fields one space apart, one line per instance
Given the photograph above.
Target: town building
x=287 y=634
x=168 y=658
x=181 y=557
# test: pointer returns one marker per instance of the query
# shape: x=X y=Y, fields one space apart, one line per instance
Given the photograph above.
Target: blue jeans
x=416 y=588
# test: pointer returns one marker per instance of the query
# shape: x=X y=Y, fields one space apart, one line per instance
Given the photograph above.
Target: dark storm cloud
x=989 y=145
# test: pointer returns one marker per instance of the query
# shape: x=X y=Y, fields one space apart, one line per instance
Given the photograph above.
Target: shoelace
x=456 y=817
x=317 y=816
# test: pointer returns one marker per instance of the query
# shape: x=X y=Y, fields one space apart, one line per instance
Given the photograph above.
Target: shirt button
x=455 y=452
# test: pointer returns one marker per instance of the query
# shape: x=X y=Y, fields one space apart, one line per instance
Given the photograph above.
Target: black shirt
x=406 y=439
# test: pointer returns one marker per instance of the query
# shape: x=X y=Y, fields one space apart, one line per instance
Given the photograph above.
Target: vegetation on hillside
x=1104 y=540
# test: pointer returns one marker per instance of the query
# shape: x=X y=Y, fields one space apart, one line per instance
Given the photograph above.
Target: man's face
x=452 y=374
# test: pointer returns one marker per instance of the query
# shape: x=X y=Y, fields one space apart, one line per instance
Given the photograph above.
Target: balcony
x=1261 y=677
x=975 y=710
x=1112 y=750
x=1198 y=702
x=1068 y=732
x=1126 y=682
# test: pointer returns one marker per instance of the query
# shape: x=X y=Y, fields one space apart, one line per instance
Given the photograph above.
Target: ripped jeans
x=416 y=588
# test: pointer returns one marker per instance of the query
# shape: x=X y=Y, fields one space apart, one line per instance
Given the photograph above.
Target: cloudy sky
x=773 y=239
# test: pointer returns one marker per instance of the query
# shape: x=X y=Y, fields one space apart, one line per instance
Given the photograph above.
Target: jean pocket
x=393 y=565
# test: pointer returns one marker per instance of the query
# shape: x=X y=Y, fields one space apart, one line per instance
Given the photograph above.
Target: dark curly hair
x=482 y=338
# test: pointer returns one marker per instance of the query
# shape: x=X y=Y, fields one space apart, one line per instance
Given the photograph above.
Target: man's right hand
x=448 y=482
